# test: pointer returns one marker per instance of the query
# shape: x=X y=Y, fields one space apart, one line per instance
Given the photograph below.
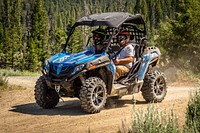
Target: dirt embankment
x=19 y=113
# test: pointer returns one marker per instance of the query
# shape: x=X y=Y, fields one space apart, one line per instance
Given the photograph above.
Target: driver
x=125 y=58
x=100 y=39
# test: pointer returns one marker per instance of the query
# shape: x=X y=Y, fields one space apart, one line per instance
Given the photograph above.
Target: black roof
x=110 y=19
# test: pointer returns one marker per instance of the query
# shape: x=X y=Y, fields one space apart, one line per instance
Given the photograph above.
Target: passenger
x=125 y=58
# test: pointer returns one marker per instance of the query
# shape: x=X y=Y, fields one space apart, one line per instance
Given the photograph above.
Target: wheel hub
x=97 y=96
x=158 y=87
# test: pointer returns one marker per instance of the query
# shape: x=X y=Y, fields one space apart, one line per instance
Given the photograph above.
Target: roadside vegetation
x=153 y=120
x=183 y=77
x=193 y=113
x=4 y=77
x=11 y=72
x=3 y=81
x=187 y=77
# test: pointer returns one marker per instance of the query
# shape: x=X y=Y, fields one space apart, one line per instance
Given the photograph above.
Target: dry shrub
x=3 y=81
x=153 y=121
x=193 y=113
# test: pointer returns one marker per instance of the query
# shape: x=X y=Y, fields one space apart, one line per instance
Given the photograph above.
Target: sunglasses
x=121 y=37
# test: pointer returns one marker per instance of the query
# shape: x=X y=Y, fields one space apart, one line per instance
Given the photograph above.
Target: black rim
x=159 y=86
x=98 y=95
x=50 y=95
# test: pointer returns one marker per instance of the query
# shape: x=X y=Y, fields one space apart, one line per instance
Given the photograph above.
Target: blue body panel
x=145 y=63
x=111 y=67
x=65 y=59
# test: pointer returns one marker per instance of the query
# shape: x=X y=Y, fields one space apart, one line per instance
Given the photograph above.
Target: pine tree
x=75 y=43
x=164 y=10
x=144 y=10
x=40 y=30
x=180 y=37
x=1 y=46
x=168 y=7
x=174 y=6
x=32 y=56
x=152 y=14
x=44 y=24
x=1 y=33
x=158 y=13
x=7 y=54
x=15 y=34
x=138 y=6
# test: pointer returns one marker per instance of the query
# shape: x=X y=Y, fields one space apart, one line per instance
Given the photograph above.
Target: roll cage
x=115 y=22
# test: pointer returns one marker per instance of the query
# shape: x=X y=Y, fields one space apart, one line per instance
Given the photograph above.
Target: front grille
x=64 y=73
x=64 y=69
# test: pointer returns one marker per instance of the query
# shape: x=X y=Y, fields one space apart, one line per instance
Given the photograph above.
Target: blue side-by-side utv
x=89 y=76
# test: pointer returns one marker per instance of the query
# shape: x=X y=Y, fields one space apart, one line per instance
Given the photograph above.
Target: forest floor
x=19 y=113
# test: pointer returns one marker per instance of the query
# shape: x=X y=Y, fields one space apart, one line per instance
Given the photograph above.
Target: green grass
x=11 y=72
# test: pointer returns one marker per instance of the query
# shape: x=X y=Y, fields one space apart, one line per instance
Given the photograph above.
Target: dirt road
x=19 y=113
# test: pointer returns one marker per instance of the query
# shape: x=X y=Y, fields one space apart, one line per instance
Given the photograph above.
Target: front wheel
x=93 y=95
x=154 y=88
x=44 y=96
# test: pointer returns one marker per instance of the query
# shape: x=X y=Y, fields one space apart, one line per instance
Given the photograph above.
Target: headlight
x=77 y=68
x=46 y=66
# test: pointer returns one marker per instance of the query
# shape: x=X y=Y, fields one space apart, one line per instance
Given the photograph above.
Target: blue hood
x=61 y=61
x=68 y=59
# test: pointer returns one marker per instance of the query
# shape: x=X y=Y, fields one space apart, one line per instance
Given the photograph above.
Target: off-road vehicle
x=89 y=76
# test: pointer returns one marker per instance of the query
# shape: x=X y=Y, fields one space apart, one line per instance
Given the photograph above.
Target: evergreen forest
x=33 y=30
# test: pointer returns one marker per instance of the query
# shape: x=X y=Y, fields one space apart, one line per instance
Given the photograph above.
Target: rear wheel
x=93 y=95
x=154 y=88
x=44 y=96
